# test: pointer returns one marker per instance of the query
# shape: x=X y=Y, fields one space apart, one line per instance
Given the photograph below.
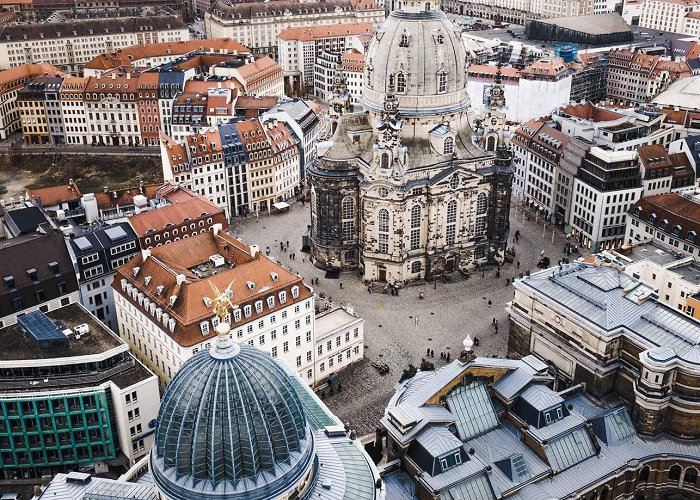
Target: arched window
x=415 y=266
x=448 y=147
x=383 y=230
x=644 y=474
x=690 y=476
x=442 y=82
x=403 y=41
x=400 y=83
x=415 y=227
x=440 y=39
x=427 y=6
x=451 y=222
x=348 y=218
x=481 y=204
x=348 y=205
x=604 y=493
x=674 y=474
x=385 y=160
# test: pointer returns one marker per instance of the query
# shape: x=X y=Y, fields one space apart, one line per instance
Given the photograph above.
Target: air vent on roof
x=159 y=289
x=274 y=276
x=173 y=299
x=207 y=301
x=136 y=270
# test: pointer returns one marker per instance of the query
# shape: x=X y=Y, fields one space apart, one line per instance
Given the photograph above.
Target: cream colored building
x=70 y=45
x=677 y=16
x=256 y=25
x=339 y=341
x=519 y=11
x=163 y=300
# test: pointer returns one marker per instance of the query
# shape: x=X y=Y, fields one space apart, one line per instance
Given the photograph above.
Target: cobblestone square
x=400 y=329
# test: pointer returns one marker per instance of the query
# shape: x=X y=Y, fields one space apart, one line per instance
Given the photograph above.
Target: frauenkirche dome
x=419 y=54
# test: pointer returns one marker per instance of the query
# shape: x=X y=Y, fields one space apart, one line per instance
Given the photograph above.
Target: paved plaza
x=399 y=330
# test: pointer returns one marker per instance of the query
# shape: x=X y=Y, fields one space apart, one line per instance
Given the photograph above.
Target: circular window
x=454 y=182
x=383 y=192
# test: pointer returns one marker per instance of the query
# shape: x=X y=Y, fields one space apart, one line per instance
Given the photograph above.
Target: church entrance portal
x=450 y=265
x=382 y=275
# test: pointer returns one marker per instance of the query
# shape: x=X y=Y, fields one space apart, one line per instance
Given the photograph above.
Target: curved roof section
x=231 y=426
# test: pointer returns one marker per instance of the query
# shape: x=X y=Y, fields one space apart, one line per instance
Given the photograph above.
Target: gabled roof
x=309 y=33
x=173 y=214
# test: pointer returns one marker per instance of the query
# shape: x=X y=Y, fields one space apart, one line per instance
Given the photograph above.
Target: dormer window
x=271 y=302
x=664 y=224
x=236 y=314
x=448 y=146
x=9 y=281
x=638 y=211
x=283 y=297
x=53 y=266
x=204 y=327
x=31 y=272
x=652 y=218
x=295 y=292
x=247 y=310
x=676 y=230
x=691 y=236
x=258 y=306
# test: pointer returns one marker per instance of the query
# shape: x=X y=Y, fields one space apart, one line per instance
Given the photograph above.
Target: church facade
x=406 y=189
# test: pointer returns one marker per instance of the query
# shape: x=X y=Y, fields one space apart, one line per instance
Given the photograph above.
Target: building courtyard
x=400 y=329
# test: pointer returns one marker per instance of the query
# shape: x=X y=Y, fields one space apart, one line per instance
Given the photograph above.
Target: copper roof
x=188 y=308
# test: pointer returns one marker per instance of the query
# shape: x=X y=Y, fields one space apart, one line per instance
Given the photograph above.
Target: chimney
x=114 y=76
x=180 y=279
x=114 y=195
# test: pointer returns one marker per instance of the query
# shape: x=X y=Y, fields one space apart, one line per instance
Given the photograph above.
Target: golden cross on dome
x=222 y=301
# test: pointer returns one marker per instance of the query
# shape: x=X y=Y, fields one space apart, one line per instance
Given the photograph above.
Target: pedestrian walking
x=417 y=320
x=281 y=245
x=341 y=285
x=542 y=253
x=517 y=264
x=428 y=352
x=287 y=243
x=432 y=353
x=494 y=321
x=448 y=357
x=489 y=302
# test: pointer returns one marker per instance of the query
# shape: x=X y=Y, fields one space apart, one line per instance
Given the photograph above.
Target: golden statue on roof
x=222 y=301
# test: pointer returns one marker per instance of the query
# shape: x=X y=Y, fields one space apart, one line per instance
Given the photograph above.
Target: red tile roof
x=55 y=195
x=175 y=214
x=326 y=31
x=135 y=53
x=188 y=308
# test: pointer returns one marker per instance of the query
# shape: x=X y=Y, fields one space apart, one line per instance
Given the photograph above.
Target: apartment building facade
x=299 y=48
x=635 y=77
x=537 y=151
x=70 y=45
x=676 y=16
x=12 y=81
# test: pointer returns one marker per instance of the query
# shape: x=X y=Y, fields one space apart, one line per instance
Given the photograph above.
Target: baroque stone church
x=406 y=189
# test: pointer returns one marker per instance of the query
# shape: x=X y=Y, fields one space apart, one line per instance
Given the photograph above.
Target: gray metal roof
x=474 y=488
x=541 y=397
x=96 y=489
x=608 y=298
x=569 y=449
x=613 y=426
x=511 y=384
x=558 y=427
x=438 y=441
x=343 y=473
x=473 y=409
x=400 y=486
